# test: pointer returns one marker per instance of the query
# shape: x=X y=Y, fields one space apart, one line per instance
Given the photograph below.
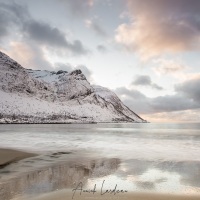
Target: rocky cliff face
x=34 y=96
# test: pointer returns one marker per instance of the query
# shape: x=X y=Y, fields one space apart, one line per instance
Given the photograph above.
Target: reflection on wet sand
x=189 y=171
x=154 y=176
x=64 y=170
x=54 y=177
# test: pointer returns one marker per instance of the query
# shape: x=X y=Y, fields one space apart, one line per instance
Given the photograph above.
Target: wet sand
x=64 y=175
x=8 y=156
x=67 y=195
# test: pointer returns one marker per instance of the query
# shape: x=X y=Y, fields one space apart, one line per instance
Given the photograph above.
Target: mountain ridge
x=42 y=96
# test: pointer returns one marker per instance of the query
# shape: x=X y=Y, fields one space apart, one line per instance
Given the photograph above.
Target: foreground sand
x=8 y=156
x=67 y=195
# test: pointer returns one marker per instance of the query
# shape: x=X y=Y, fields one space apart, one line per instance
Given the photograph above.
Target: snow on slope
x=66 y=85
x=111 y=97
x=35 y=110
x=15 y=79
x=47 y=76
x=34 y=96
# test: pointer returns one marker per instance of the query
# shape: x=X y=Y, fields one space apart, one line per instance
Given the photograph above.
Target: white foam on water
x=123 y=142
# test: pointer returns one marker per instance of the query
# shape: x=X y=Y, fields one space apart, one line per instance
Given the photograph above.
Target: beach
x=75 y=168
x=8 y=156
x=82 y=171
x=150 y=162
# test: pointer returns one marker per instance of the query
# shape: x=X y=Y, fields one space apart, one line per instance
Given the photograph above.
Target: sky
x=146 y=51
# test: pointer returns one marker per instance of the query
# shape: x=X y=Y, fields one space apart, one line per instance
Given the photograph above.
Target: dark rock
x=76 y=72
x=61 y=72
x=29 y=91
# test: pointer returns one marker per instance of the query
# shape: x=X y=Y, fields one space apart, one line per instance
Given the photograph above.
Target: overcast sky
x=147 y=51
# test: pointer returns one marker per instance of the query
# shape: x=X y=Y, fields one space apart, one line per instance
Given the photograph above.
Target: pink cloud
x=160 y=26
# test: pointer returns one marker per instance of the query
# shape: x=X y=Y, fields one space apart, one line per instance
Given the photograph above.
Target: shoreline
x=8 y=156
x=117 y=122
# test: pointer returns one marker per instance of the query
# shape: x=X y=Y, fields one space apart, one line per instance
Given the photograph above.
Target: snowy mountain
x=35 y=96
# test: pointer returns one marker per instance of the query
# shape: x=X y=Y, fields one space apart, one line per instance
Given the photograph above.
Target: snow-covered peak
x=112 y=98
x=107 y=94
x=65 y=85
x=6 y=61
x=56 y=76
x=41 y=96
x=47 y=76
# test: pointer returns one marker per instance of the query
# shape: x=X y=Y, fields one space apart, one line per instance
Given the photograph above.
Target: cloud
x=144 y=80
x=160 y=26
x=171 y=103
x=45 y=34
x=11 y=15
x=19 y=32
x=15 y=12
x=190 y=89
x=62 y=66
x=78 y=8
x=15 y=16
x=28 y=55
x=134 y=99
x=123 y=91
x=20 y=52
x=32 y=57
x=186 y=97
x=165 y=66
x=95 y=26
x=142 y=104
x=101 y=48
